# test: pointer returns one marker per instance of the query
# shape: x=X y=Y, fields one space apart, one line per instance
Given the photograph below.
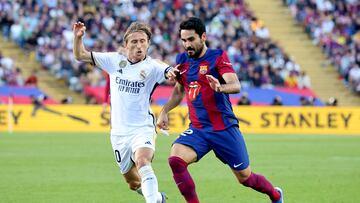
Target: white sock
x=149 y=184
x=159 y=196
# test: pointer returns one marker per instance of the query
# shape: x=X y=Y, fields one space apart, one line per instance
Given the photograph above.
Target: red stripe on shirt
x=209 y=101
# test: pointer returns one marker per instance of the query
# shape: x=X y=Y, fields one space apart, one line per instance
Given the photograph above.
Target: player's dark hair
x=138 y=27
x=193 y=23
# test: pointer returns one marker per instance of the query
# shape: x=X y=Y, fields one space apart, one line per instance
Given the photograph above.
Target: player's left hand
x=214 y=83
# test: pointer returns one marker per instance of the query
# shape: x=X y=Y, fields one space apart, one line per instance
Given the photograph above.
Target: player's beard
x=197 y=52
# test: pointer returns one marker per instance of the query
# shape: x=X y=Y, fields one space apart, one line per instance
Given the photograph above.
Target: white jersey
x=131 y=86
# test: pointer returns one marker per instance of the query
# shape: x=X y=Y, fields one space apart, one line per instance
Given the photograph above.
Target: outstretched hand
x=173 y=73
x=214 y=83
x=79 y=29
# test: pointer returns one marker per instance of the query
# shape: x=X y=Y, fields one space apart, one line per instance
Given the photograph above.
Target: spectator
x=304 y=101
x=32 y=79
x=332 y=101
x=304 y=81
x=277 y=101
x=291 y=81
x=244 y=99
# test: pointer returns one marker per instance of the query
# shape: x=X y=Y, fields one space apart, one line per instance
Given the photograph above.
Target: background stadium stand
x=255 y=56
x=293 y=39
x=47 y=83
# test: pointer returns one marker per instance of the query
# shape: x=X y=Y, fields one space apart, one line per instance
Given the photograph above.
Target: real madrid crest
x=142 y=74
x=203 y=70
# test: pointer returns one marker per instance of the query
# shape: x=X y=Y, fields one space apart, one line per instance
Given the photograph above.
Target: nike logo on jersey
x=227 y=63
x=237 y=165
x=182 y=72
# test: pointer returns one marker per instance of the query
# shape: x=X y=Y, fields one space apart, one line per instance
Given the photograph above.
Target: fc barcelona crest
x=203 y=70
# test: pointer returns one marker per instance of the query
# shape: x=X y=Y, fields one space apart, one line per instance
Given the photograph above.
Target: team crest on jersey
x=122 y=64
x=194 y=90
x=203 y=70
x=142 y=74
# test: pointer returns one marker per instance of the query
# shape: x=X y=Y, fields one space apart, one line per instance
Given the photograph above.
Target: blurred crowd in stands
x=12 y=75
x=46 y=26
x=334 y=25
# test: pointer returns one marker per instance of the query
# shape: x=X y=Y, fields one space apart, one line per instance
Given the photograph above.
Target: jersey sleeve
x=104 y=60
x=223 y=64
x=161 y=68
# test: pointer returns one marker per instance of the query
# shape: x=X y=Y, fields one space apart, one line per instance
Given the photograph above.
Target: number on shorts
x=187 y=132
x=117 y=156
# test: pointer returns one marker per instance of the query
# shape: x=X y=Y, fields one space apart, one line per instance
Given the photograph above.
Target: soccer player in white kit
x=133 y=77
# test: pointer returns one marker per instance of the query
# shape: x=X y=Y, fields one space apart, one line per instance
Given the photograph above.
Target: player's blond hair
x=138 y=27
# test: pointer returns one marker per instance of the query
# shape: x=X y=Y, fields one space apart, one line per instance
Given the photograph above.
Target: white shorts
x=125 y=147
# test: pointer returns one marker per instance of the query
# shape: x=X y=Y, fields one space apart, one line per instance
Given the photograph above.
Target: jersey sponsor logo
x=194 y=90
x=203 y=70
x=128 y=86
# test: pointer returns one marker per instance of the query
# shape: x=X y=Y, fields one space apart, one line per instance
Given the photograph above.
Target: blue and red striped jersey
x=208 y=110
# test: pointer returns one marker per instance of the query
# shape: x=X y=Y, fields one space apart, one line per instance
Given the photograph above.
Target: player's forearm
x=175 y=99
x=80 y=53
x=230 y=88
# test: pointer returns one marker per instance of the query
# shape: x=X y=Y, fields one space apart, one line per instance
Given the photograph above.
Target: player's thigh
x=190 y=146
x=143 y=146
x=229 y=146
x=122 y=152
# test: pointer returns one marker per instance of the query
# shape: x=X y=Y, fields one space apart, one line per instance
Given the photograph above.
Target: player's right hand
x=79 y=29
x=163 y=121
x=173 y=73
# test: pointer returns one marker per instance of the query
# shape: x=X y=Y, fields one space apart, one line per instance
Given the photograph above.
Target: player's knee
x=134 y=185
x=242 y=176
x=140 y=162
x=177 y=164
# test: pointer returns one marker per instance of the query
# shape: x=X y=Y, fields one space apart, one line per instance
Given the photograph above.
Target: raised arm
x=175 y=99
x=80 y=53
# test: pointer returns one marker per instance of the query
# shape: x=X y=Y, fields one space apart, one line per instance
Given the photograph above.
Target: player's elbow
x=80 y=56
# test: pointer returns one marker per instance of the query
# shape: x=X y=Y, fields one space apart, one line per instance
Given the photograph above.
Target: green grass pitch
x=74 y=167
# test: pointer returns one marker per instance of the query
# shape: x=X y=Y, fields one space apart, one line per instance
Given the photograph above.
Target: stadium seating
x=259 y=62
x=335 y=27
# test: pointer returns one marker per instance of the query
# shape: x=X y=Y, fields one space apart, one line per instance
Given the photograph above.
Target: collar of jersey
x=131 y=63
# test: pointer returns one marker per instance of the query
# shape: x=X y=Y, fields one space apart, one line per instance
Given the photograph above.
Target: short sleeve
x=161 y=69
x=223 y=64
x=104 y=60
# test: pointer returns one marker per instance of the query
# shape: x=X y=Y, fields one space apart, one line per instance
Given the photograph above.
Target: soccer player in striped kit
x=206 y=78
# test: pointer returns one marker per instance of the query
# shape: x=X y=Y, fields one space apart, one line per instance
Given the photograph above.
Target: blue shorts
x=228 y=145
